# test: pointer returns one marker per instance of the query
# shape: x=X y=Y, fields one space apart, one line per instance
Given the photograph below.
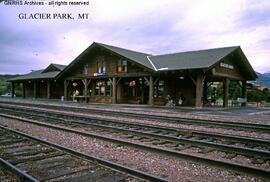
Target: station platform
x=217 y=110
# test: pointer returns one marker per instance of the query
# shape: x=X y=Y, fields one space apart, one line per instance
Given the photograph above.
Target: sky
x=150 y=26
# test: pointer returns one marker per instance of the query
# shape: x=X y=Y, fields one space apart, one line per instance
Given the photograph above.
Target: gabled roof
x=54 y=67
x=192 y=59
x=40 y=74
x=138 y=57
x=59 y=66
x=201 y=59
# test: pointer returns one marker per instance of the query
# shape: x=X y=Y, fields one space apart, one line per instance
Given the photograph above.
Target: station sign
x=99 y=74
x=228 y=66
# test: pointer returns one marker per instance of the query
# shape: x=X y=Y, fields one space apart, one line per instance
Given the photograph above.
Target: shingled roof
x=200 y=59
x=191 y=60
x=138 y=57
x=40 y=74
x=59 y=66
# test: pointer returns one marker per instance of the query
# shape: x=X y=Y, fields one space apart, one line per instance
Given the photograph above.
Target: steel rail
x=112 y=165
x=218 y=146
x=18 y=172
x=179 y=120
x=217 y=163
x=170 y=129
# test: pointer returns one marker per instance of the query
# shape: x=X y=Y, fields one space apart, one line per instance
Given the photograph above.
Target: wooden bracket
x=110 y=81
x=192 y=79
x=147 y=81
x=210 y=84
x=240 y=84
x=155 y=82
x=67 y=82
x=118 y=81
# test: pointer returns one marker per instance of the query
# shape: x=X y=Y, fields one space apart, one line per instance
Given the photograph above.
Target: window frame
x=122 y=66
x=101 y=66
x=102 y=88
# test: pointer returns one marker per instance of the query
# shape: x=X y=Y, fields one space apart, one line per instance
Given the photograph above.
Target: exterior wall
x=98 y=98
x=172 y=85
x=42 y=89
x=29 y=89
x=57 y=89
x=135 y=95
x=111 y=62
x=187 y=90
x=121 y=90
x=177 y=88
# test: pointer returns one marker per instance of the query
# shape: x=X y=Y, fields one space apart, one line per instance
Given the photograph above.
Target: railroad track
x=238 y=126
x=168 y=141
x=33 y=159
x=7 y=176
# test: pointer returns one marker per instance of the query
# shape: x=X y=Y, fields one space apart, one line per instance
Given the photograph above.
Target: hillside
x=4 y=85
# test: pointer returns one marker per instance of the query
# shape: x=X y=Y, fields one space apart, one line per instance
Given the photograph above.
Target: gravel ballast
x=168 y=167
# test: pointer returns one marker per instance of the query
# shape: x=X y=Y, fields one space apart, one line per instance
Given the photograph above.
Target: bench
x=240 y=101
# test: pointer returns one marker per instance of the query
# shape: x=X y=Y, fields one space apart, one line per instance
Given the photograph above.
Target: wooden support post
x=156 y=81
x=23 y=90
x=12 y=89
x=114 y=91
x=226 y=84
x=151 y=91
x=65 y=90
x=199 y=90
x=93 y=88
x=86 y=83
x=244 y=91
x=205 y=87
x=35 y=89
x=48 y=89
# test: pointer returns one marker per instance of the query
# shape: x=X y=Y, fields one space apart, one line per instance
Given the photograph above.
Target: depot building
x=108 y=74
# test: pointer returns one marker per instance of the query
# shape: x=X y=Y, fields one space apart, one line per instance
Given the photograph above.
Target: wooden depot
x=108 y=74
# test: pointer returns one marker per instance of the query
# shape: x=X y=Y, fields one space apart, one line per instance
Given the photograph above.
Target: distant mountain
x=263 y=79
x=267 y=74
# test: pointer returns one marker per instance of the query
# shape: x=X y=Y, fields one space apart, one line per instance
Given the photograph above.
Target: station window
x=122 y=66
x=101 y=66
x=103 y=88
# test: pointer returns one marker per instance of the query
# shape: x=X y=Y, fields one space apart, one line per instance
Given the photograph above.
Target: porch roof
x=40 y=74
